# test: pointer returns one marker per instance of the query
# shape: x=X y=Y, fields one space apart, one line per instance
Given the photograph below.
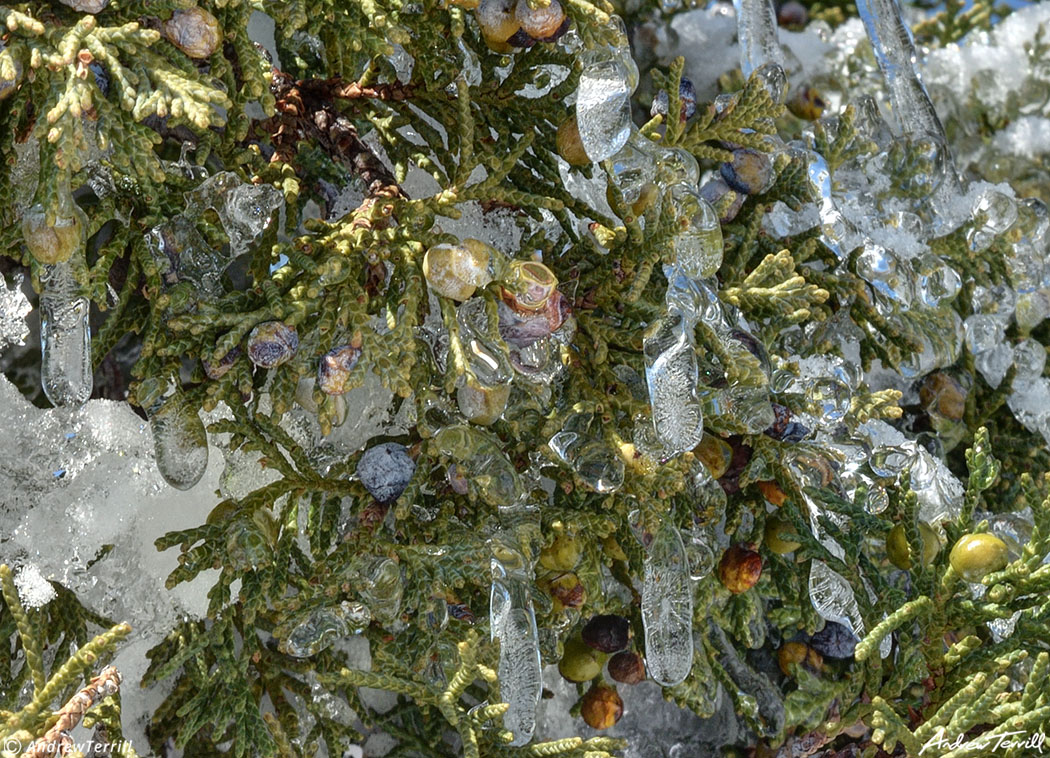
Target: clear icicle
x=756 y=24
x=671 y=369
x=65 y=338
x=894 y=50
x=603 y=99
x=513 y=622
x=667 y=608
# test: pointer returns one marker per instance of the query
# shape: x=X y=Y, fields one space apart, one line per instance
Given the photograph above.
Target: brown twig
x=56 y=741
x=305 y=110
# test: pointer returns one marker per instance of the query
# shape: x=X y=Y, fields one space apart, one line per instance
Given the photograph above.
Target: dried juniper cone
x=498 y=22
x=566 y=591
x=194 y=31
x=834 y=641
x=385 y=470
x=601 y=707
x=807 y=103
x=687 y=96
x=943 y=395
x=520 y=327
x=627 y=667
x=607 y=633
x=772 y=492
x=56 y=240
x=740 y=569
x=272 y=343
x=541 y=24
x=220 y=368
x=750 y=171
x=730 y=481
x=456 y=271
x=333 y=372
x=783 y=428
x=87 y=6
x=569 y=145
x=726 y=201
x=792 y=15
x=798 y=653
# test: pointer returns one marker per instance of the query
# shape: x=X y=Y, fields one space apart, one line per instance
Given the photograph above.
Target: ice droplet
x=382 y=589
x=65 y=338
x=512 y=621
x=667 y=608
x=322 y=628
x=182 y=254
x=245 y=210
x=832 y=598
x=593 y=460
x=14 y=307
x=180 y=442
x=757 y=32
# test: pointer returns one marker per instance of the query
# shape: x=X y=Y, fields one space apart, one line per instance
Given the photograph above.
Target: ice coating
x=757 y=33
x=65 y=338
x=513 y=622
x=667 y=608
x=245 y=210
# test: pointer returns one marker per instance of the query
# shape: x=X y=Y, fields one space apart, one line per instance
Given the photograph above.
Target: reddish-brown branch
x=305 y=110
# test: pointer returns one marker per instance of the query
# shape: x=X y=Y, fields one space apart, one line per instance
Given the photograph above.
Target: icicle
x=671 y=369
x=65 y=338
x=895 y=52
x=603 y=99
x=756 y=25
x=245 y=210
x=667 y=606
x=512 y=621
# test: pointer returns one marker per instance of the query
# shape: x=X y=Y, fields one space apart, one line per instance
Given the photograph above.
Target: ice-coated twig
x=756 y=31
